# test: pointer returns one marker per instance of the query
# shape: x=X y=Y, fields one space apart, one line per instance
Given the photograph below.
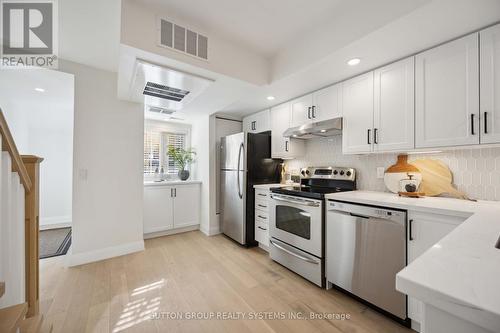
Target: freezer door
x=233 y=204
x=233 y=152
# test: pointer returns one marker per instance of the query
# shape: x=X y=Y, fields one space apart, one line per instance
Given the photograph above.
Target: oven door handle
x=296 y=201
x=293 y=254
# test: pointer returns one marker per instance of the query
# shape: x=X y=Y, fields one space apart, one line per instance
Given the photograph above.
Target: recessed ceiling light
x=354 y=61
x=39 y=89
x=270 y=98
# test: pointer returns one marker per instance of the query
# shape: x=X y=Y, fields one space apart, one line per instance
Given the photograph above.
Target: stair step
x=2 y=288
x=31 y=325
x=11 y=317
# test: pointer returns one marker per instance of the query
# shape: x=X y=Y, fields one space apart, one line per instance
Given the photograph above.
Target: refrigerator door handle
x=240 y=193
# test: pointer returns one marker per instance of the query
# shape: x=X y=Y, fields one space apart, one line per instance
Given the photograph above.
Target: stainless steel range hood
x=323 y=128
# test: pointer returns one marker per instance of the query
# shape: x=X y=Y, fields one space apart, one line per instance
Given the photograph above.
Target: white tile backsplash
x=475 y=171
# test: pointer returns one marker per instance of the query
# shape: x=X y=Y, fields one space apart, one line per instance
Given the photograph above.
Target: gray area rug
x=54 y=242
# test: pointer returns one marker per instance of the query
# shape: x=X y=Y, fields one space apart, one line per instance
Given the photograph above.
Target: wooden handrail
x=9 y=146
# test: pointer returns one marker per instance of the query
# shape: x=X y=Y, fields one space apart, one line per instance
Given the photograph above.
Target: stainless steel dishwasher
x=365 y=249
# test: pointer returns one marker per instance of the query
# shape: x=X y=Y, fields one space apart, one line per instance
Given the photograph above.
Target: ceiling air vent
x=164 y=92
x=156 y=109
x=182 y=39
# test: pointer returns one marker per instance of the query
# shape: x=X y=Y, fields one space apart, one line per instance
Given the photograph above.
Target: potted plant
x=182 y=157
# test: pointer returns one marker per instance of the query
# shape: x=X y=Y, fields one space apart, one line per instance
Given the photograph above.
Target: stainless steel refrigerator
x=245 y=162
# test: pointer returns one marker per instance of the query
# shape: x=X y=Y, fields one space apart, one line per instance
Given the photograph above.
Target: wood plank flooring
x=193 y=275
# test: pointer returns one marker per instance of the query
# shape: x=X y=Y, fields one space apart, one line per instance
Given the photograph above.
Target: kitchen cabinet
x=186 y=205
x=490 y=84
x=447 y=94
x=357 y=110
x=262 y=217
x=283 y=147
x=321 y=105
x=171 y=207
x=158 y=208
x=301 y=111
x=258 y=122
x=424 y=230
x=394 y=112
x=327 y=103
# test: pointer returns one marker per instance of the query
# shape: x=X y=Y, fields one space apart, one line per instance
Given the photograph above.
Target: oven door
x=297 y=222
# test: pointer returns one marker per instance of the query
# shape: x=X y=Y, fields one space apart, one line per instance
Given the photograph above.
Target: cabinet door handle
x=309 y=113
x=286 y=145
x=368 y=136
x=313 y=109
x=262 y=217
x=375 y=135
x=263 y=195
x=410 y=229
x=485 y=122
x=175 y=193
x=472 y=124
x=261 y=228
x=171 y=192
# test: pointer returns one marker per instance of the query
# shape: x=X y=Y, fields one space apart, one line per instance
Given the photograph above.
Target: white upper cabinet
x=258 y=122
x=357 y=109
x=490 y=84
x=394 y=111
x=301 y=110
x=282 y=147
x=447 y=94
x=327 y=103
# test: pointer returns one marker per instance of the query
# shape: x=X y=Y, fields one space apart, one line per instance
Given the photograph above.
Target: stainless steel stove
x=297 y=221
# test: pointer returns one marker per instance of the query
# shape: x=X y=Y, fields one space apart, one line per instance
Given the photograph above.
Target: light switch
x=380 y=172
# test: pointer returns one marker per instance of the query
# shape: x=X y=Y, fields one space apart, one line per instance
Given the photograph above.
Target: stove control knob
x=335 y=172
x=342 y=172
x=303 y=172
x=307 y=172
x=348 y=173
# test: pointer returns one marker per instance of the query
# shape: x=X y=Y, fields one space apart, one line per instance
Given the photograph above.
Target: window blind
x=156 y=148
x=152 y=142
x=177 y=141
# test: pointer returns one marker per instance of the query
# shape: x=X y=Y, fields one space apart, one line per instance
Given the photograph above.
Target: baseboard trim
x=170 y=232
x=102 y=254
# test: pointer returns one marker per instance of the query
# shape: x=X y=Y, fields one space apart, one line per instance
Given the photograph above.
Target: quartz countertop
x=171 y=182
x=269 y=186
x=460 y=274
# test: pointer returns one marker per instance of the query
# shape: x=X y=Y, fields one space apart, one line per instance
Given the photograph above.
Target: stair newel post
x=32 y=205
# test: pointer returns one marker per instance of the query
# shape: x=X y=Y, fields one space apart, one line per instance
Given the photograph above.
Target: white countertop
x=269 y=186
x=459 y=274
x=171 y=182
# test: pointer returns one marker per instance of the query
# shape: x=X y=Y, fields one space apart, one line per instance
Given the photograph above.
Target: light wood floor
x=188 y=273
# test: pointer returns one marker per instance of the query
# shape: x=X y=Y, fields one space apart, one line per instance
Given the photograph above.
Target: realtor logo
x=28 y=33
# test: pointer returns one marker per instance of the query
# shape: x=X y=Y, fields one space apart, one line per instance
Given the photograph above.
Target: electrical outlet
x=380 y=172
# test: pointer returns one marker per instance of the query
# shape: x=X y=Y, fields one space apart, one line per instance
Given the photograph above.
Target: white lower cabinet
x=425 y=230
x=171 y=207
x=262 y=217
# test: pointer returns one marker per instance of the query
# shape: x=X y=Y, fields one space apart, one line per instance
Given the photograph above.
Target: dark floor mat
x=54 y=242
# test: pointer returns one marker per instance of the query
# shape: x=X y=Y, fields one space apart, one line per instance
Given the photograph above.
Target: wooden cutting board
x=436 y=179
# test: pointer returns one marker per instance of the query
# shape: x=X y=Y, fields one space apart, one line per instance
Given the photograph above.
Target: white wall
x=42 y=124
x=107 y=168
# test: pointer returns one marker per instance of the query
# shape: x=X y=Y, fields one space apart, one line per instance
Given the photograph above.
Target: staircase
x=19 y=206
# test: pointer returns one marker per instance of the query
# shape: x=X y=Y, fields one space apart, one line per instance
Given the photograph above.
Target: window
x=155 y=151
